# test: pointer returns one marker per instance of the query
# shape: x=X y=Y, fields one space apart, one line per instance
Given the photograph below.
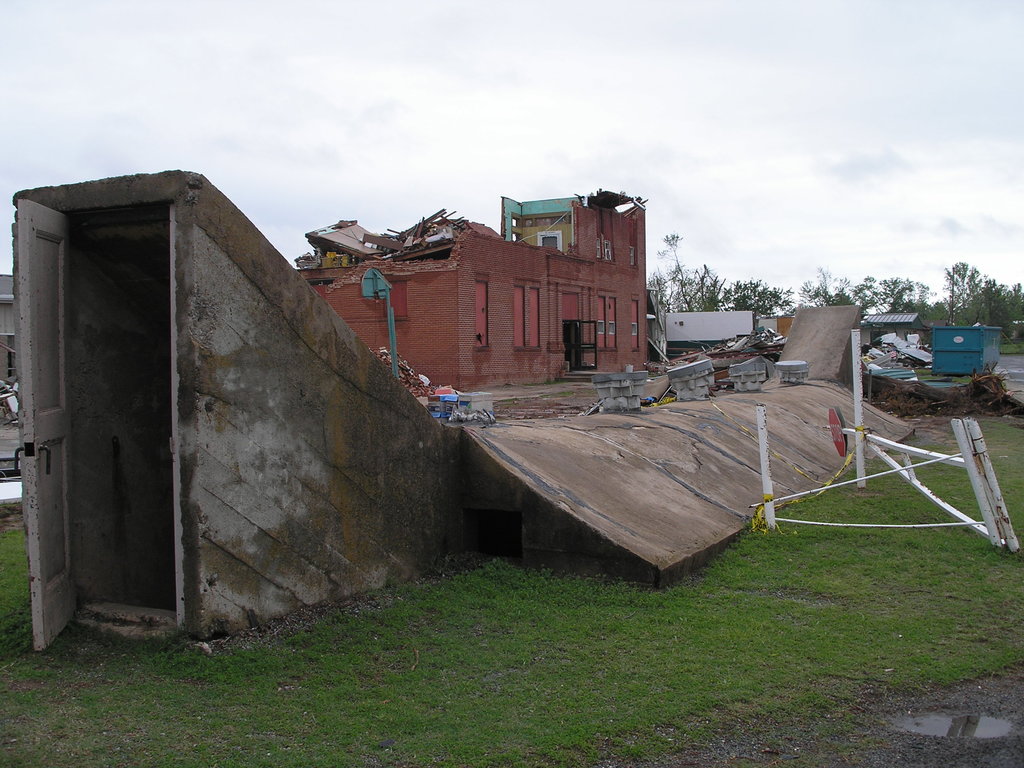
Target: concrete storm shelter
x=202 y=434
x=207 y=445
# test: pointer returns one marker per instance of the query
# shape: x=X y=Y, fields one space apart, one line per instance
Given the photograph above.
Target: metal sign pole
x=391 y=332
x=858 y=406
x=375 y=286
x=767 y=489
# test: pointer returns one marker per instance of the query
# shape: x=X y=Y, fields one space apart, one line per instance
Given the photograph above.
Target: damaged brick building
x=563 y=287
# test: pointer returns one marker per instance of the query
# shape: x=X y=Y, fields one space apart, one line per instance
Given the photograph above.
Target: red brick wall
x=439 y=336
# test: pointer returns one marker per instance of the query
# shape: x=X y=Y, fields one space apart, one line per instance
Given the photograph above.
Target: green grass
x=506 y=667
x=1012 y=348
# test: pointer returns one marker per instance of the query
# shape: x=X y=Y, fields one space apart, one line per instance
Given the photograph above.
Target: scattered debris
x=471 y=417
x=8 y=402
x=983 y=394
x=417 y=384
x=891 y=356
x=765 y=343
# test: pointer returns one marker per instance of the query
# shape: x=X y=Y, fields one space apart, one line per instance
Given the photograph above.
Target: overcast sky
x=869 y=138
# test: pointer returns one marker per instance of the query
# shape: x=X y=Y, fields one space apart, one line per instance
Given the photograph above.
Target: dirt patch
x=10 y=518
x=876 y=738
x=545 y=401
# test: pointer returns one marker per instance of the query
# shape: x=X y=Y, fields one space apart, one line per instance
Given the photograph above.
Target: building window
x=481 y=313
x=608 y=303
x=634 y=326
x=570 y=306
x=533 y=317
x=525 y=316
x=607 y=250
x=598 y=248
x=518 y=315
x=632 y=256
x=600 y=321
x=550 y=239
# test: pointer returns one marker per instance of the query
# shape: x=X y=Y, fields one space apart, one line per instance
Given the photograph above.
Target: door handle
x=46 y=449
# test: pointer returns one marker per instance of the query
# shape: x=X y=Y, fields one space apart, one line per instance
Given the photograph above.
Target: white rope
x=879 y=525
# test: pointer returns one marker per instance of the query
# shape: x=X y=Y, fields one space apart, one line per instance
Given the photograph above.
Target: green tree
x=998 y=305
x=866 y=294
x=758 y=297
x=963 y=294
x=893 y=294
x=685 y=290
x=700 y=290
x=827 y=291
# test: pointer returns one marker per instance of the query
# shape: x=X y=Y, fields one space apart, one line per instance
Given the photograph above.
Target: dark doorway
x=493 y=532
x=118 y=348
x=580 y=340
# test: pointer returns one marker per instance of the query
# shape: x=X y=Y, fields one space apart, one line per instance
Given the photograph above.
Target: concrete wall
x=308 y=471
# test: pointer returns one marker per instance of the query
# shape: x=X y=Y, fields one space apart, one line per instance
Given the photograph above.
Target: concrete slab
x=650 y=497
x=821 y=336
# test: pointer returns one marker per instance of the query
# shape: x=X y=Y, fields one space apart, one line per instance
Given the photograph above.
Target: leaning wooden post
x=858 y=406
x=767 y=489
x=983 y=480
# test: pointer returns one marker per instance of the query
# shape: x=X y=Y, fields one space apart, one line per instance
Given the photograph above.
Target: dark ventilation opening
x=493 y=532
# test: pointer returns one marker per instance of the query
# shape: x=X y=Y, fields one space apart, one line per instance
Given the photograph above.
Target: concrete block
x=793 y=371
x=620 y=392
x=693 y=380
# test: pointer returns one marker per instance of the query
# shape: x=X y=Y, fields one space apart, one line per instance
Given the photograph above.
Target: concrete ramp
x=821 y=337
x=650 y=497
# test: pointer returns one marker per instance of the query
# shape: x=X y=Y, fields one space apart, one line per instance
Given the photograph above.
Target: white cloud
x=864 y=137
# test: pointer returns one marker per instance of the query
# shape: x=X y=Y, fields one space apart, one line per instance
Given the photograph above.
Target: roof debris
x=605 y=199
x=347 y=243
x=765 y=343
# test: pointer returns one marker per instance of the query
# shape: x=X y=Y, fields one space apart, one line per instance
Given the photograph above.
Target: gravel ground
x=877 y=741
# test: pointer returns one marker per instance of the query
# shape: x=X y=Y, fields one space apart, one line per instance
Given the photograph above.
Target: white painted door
x=41 y=259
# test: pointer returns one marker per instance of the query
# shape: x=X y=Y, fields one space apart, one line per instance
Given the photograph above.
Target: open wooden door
x=40 y=262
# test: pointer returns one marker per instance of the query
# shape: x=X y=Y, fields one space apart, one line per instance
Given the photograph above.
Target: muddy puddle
x=971 y=726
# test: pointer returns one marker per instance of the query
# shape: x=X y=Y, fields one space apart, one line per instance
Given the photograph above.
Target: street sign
x=835 y=426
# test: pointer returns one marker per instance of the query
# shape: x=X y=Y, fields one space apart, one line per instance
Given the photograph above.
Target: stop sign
x=835 y=426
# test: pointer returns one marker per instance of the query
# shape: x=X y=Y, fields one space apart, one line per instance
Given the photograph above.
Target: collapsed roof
x=431 y=237
x=432 y=234
x=605 y=199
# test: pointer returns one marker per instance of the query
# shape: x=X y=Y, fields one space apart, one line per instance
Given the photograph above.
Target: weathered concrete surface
x=302 y=471
x=649 y=497
x=821 y=336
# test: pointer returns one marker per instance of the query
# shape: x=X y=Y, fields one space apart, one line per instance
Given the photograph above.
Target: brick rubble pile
x=409 y=378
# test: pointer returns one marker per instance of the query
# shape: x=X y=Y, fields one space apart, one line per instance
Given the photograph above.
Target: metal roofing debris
x=894 y=318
